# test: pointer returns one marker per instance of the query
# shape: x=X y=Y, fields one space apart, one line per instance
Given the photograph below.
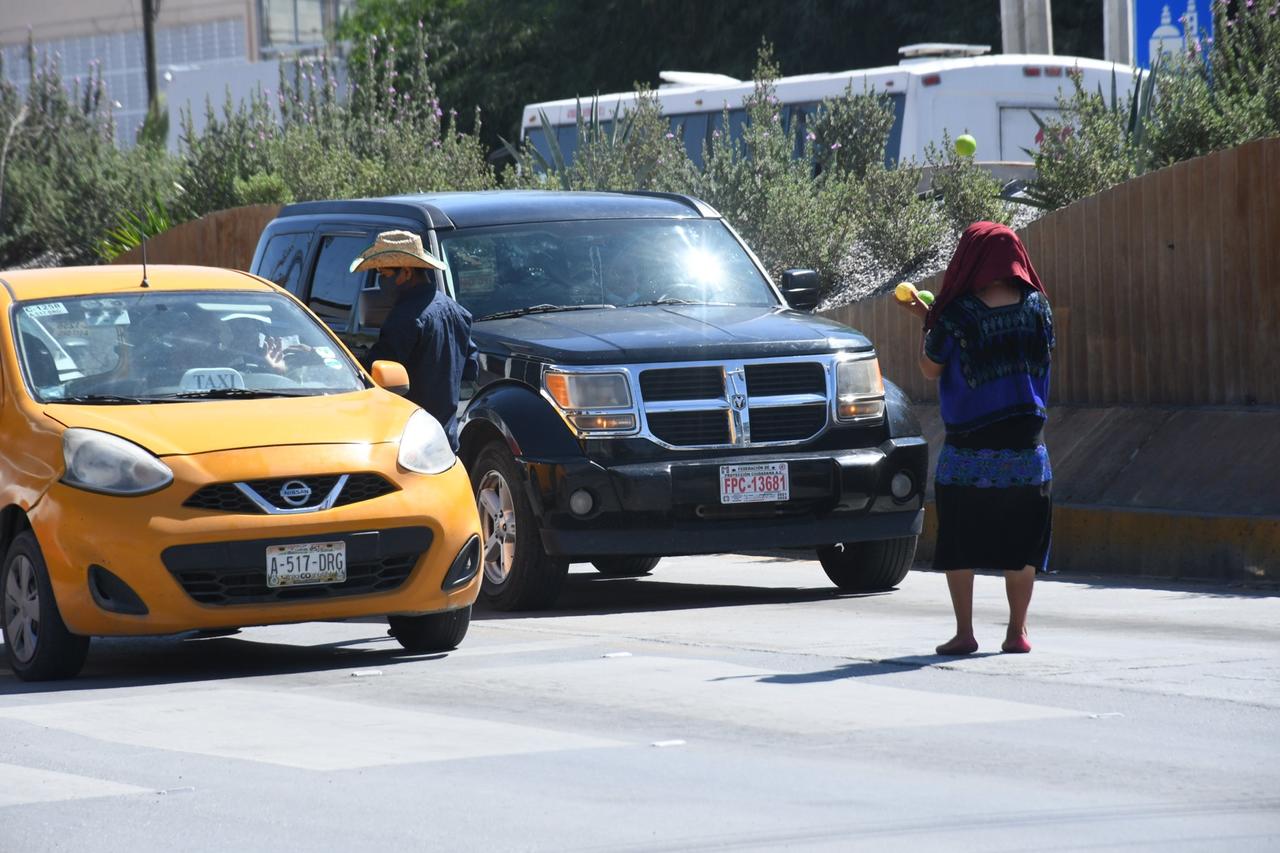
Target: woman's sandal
x=957 y=647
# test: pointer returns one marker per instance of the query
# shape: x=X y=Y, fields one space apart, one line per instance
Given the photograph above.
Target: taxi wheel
x=625 y=567
x=37 y=643
x=518 y=574
x=868 y=566
x=435 y=632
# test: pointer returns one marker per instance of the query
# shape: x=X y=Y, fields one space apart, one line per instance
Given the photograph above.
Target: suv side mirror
x=391 y=375
x=800 y=289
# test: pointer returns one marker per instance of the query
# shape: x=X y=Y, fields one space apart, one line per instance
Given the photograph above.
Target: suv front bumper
x=673 y=507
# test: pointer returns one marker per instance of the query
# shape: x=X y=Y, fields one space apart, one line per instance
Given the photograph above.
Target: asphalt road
x=727 y=703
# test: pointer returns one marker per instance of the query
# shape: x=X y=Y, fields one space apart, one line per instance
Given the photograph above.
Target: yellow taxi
x=190 y=448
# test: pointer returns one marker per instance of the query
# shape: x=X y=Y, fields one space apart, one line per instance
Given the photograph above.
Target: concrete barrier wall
x=1171 y=492
x=1165 y=289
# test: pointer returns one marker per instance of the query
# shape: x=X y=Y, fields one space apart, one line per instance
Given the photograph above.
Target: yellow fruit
x=904 y=292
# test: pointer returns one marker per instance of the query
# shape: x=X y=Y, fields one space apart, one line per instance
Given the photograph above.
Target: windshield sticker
x=45 y=309
x=325 y=352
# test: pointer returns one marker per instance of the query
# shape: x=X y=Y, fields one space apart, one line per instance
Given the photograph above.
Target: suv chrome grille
x=772 y=380
x=737 y=403
x=787 y=423
x=232 y=497
x=691 y=429
x=682 y=383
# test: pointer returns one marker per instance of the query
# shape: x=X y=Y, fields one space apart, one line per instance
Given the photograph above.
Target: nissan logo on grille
x=295 y=493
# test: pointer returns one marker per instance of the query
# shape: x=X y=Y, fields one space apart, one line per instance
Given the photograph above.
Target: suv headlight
x=424 y=447
x=592 y=403
x=859 y=390
x=102 y=462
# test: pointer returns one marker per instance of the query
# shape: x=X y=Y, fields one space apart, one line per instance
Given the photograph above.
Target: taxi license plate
x=306 y=563
x=750 y=483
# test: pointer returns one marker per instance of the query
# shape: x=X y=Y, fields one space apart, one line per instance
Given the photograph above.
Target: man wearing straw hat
x=425 y=330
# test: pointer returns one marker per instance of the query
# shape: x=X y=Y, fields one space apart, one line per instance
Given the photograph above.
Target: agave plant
x=131 y=229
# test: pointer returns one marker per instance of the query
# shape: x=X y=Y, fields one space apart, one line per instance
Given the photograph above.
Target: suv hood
x=665 y=333
x=372 y=416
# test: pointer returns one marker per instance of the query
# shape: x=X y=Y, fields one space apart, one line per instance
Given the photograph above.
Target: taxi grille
x=249 y=586
x=226 y=497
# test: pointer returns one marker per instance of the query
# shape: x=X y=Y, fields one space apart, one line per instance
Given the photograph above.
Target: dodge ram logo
x=739 y=401
x=295 y=493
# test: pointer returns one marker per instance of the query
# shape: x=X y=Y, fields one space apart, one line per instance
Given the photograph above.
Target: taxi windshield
x=168 y=346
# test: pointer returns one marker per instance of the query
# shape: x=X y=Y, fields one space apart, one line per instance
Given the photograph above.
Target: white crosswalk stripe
x=292 y=729
x=25 y=785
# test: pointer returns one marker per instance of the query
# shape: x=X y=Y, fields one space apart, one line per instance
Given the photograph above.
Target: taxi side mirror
x=392 y=376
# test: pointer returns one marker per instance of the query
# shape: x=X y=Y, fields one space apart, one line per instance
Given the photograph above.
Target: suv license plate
x=306 y=563
x=750 y=483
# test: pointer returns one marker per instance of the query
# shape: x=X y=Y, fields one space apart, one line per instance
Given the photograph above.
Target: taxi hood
x=371 y=416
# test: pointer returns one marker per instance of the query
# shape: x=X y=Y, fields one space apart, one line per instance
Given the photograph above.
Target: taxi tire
x=435 y=632
x=59 y=653
x=535 y=578
x=625 y=567
x=868 y=566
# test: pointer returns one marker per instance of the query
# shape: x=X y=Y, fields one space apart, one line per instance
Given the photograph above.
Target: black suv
x=645 y=389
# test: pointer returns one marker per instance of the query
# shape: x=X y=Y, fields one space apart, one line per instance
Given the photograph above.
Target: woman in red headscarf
x=988 y=340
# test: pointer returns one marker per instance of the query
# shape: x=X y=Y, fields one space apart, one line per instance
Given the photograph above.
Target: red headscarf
x=987 y=251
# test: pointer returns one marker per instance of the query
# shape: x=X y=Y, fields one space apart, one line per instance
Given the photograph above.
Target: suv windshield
x=601 y=263
x=173 y=346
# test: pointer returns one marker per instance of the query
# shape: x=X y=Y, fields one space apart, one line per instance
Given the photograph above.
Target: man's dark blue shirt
x=430 y=335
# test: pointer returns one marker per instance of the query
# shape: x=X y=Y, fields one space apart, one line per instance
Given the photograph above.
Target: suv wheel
x=36 y=640
x=625 y=567
x=868 y=566
x=518 y=574
x=435 y=632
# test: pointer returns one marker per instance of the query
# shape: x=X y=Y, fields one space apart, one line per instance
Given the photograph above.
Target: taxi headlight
x=859 y=390
x=102 y=462
x=577 y=391
x=424 y=447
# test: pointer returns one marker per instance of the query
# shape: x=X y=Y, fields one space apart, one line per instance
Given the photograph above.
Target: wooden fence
x=1165 y=289
x=226 y=238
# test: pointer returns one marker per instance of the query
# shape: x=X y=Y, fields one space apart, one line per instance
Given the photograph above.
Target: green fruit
x=925 y=296
x=966 y=145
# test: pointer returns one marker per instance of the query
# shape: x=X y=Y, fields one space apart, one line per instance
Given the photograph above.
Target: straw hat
x=395 y=249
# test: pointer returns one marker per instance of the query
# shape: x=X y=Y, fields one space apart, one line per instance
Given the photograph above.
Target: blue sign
x=1168 y=26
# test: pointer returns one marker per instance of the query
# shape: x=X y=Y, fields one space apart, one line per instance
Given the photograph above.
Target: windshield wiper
x=674 y=300
x=544 y=308
x=106 y=399
x=241 y=394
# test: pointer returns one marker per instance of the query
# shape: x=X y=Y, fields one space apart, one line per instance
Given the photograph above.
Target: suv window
x=334 y=288
x=283 y=259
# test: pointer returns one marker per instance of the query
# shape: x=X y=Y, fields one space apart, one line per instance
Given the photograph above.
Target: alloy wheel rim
x=497 y=526
x=22 y=609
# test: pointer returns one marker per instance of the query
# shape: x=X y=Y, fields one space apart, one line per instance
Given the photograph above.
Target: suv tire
x=435 y=632
x=868 y=566
x=36 y=640
x=625 y=567
x=518 y=574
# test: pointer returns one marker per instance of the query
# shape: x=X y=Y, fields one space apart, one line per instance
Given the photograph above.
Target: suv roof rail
x=700 y=207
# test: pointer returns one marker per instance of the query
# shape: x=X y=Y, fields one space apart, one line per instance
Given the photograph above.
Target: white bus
x=935 y=88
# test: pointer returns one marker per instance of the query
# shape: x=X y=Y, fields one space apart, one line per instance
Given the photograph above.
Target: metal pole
x=1012 y=31
x=1038 y=26
x=1117 y=31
